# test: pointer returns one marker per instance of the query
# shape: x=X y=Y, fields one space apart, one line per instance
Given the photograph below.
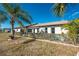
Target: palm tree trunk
x=12 y=28
x=0 y=26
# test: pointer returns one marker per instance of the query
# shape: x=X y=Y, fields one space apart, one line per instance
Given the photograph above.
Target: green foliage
x=3 y=17
x=59 y=9
x=17 y=12
x=16 y=15
x=73 y=28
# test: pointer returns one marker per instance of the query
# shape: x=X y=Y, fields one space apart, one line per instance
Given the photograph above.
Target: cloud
x=75 y=13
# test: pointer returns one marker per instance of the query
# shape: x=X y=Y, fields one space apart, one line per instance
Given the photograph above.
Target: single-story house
x=51 y=27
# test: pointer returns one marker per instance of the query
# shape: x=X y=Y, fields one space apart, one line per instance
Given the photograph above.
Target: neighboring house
x=6 y=30
x=17 y=29
x=29 y=29
x=51 y=27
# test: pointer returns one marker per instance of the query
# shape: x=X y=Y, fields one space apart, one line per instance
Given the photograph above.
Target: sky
x=41 y=13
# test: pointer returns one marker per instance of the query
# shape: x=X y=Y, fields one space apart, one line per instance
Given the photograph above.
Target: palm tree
x=3 y=17
x=59 y=9
x=16 y=14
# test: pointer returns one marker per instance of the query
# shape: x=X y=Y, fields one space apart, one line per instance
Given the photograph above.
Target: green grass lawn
x=34 y=48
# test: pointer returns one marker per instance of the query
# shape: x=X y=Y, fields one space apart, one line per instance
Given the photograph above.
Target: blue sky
x=41 y=13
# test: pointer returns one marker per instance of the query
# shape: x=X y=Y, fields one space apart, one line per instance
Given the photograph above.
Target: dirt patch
x=34 y=48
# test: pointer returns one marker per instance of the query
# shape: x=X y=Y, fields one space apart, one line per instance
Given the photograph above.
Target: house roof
x=17 y=27
x=46 y=24
x=53 y=23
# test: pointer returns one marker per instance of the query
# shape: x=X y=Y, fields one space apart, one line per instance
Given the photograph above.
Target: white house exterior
x=52 y=27
x=17 y=30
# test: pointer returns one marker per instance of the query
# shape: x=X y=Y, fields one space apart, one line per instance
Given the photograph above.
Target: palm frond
x=75 y=22
x=11 y=8
x=8 y=7
x=19 y=22
x=17 y=8
x=24 y=16
x=59 y=9
x=15 y=11
x=3 y=16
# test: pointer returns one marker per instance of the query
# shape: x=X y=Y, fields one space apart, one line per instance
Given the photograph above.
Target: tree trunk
x=12 y=28
x=0 y=28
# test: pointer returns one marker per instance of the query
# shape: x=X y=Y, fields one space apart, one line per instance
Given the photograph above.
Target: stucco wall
x=42 y=29
x=49 y=30
x=36 y=30
x=17 y=30
x=65 y=31
x=58 y=30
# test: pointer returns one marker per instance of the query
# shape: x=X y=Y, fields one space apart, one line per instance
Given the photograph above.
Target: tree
x=59 y=9
x=16 y=14
x=73 y=28
x=3 y=17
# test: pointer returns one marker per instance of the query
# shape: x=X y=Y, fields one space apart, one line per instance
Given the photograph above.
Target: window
x=46 y=30
x=53 y=30
x=37 y=30
x=33 y=30
x=29 y=30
